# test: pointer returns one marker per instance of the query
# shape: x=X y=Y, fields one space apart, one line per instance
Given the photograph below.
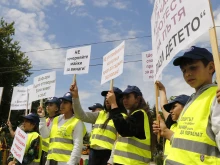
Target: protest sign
x=113 y=63
x=77 y=60
x=19 y=144
x=1 y=92
x=174 y=25
x=44 y=86
x=19 y=98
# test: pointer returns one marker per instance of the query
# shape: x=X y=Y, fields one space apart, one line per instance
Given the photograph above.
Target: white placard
x=113 y=63
x=175 y=24
x=19 y=98
x=44 y=86
x=19 y=144
x=1 y=92
x=29 y=91
x=147 y=65
x=77 y=60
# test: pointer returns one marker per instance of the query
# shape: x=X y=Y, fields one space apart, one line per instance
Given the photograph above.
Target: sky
x=47 y=28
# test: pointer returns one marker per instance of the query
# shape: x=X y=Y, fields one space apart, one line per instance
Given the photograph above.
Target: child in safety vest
x=197 y=138
x=33 y=144
x=104 y=133
x=65 y=133
x=134 y=142
x=171 y=111
x=53 y=109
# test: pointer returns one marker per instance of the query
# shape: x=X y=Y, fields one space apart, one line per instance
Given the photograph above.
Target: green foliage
x=14 y=67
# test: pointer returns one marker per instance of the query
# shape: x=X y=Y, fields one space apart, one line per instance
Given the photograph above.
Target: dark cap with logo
x=67 y=96
x=132 y=89
x=115 y=89
x=181 y=99
x=33 y=118
x=96 y=105
x=53 y=100
x=194 y=53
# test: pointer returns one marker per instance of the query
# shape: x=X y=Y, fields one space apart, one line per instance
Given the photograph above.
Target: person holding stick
x=53 y=108
x=33 y=144
x=171 y=111
x=135 y=141
x=104 y=133
x=197 y=138
x=66 y=134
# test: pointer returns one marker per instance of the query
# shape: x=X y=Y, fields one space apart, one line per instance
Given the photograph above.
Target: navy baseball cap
x=115 y=89
x=181 y=99
x=132 y=89
x=194 y=53
x=53 y=100
x=67 y=96
x=96 y=105
x=32 y=118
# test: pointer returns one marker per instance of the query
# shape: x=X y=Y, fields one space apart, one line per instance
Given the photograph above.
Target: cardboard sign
x=44 y=86
x=77 y=60
x=19 y=98
x=175 y=24
x=19 y=144
x=113 y=63
x=147 y=65
x=1 y=92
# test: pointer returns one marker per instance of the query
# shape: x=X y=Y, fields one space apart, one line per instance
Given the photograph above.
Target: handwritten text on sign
x=19 y=144
x=44 y=86
x=175 y=24
x=19 y=98
x=113 y=63
x=147 y=64
x=77 y=60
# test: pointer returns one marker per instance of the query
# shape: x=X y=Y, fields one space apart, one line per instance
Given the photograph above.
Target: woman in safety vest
x=53 y=108
x=133 y=145
x=65 y=133
x=33 y=144
x=104 y=133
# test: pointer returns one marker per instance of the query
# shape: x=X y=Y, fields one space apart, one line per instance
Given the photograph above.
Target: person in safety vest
x=133 y=145
x=33 y=144
x=171 y=111
x=53 y=109
x=65 y=133
x=197 y=138
x=104 y=133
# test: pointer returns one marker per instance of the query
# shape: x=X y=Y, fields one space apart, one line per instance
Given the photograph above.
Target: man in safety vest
x=197 y=138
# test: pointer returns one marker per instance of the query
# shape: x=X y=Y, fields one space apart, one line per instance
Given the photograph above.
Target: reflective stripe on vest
x=193 y=141
x=167 y=144
x=131 y=150
x=32 y=136
x=61 y=140
x=45 y=142
x=103 y=138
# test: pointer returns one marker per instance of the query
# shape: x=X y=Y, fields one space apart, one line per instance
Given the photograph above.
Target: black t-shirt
x=169 y=122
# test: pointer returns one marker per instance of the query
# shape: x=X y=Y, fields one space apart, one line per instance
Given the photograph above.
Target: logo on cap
x=190 y=49
x=50 y=98
x=67 y=94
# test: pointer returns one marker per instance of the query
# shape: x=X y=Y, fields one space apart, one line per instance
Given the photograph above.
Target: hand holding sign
x=40 y=112
x=110 y=97
x=74 y=90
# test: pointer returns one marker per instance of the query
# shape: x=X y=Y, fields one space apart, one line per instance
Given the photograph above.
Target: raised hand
x=74 y=90
x=40 y=112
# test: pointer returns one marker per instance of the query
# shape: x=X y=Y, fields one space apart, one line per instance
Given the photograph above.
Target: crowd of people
x=124 y=132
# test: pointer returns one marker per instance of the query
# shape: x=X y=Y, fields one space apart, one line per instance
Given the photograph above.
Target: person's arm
x=78 y=144
x=130 y=126
x=215 y=121
x=12 y=132
x=163 y=98
x=33 y=152
x=43 y=129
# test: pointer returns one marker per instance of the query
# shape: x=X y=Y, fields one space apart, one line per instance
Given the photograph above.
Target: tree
x=14 y=67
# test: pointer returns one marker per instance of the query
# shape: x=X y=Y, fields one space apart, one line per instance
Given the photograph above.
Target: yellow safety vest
x=167 y=144
x=134 y=151
x=194 y=142
x=104 y=138
x=45 y=142
x=31 y=136
x=61 y=140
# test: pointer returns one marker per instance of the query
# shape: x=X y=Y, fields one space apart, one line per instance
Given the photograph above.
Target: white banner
x=77 y=60
x=113 y=63
x=19 y=144
x=44 y=86
x=1 y=92
x=175 y=24
x=147 y=65
x=19 y=98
